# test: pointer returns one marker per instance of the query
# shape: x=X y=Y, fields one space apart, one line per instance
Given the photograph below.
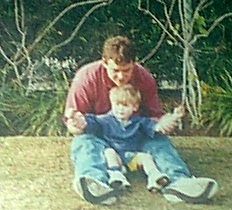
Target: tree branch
x=55 y=20
x=162 y=37
x=211 y=28
x=95 y=7
x=148 y=12
x=9 y=61
x=20 y=25
x=172 y=28
x=201 y=6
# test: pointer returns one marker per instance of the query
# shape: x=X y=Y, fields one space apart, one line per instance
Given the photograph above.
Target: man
x=89 y=93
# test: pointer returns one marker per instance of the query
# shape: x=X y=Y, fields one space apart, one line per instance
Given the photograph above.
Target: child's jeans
x=89 y=161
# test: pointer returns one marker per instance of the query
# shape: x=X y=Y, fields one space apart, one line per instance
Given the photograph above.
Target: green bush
x=37 y=108
x=39 y=113
x=217 y=109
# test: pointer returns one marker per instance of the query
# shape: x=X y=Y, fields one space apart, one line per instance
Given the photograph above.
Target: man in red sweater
x=89 y=93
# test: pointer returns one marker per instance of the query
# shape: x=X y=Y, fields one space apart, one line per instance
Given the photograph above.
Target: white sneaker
x=155 y=183
x=191 y=190
x=94 y=191
x=117 y=179
x=77 y=188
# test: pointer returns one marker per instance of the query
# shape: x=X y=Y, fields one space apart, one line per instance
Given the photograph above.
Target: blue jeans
x=166 y=157
x=88 y=158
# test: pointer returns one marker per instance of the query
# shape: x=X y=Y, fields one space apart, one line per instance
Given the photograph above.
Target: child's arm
x=179 y=112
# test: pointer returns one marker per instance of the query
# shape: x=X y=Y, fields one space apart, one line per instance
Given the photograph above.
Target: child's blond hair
x=126 y=94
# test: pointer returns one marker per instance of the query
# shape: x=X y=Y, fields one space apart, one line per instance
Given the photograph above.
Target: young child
x=123 y=132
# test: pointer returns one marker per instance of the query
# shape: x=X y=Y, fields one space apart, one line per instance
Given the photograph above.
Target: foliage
x=39 y=109
x=44 y=86
x=217 y=109
x=119 y=17
x=38 y=114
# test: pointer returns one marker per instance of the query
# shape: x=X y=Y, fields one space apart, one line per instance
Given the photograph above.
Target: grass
x=36 y=174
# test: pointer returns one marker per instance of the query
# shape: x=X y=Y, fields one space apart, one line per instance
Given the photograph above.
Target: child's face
x=123 y=110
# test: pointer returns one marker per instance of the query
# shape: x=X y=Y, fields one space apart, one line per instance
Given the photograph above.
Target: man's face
x=119 y=74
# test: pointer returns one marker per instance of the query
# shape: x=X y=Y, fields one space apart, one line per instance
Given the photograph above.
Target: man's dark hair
x=120 y=49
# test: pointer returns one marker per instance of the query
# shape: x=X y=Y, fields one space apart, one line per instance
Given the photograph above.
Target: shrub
x=217 y=109
x=37 y=109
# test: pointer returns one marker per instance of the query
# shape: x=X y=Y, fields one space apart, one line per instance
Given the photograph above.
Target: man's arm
x=151 y=105
x=152 y=100
x=81 y=95
x=78 y=101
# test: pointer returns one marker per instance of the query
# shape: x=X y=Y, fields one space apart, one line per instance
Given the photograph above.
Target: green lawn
x=36 y=174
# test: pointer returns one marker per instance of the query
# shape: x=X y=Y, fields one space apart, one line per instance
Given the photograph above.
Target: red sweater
x=89 y=91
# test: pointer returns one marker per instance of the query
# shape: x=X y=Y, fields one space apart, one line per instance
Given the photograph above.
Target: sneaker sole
x=210 y=190
x=88 y=196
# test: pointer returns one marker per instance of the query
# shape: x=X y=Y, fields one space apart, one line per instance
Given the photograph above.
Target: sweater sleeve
x=80 y=96
x=151 y=105
x=93 y=126
x=148 y=126
x=152 y=101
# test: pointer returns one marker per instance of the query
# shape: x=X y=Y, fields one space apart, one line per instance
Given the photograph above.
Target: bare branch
x=77 y=28
x=215 y=24
x=202 y=5
x=162 y=37
x=181 y=13
x=56 y=19
x=198 y=87
x=50 y=25
x=191 y=88
x=154 y=50
x=156 y=20
x=20 y=25
x=168 y=15
x=16 y=11
x=9 y=61
x=184 y=77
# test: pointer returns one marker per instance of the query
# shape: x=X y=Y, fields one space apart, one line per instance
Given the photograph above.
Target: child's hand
x=166 y=124
x=179 y=111
x=76 y=122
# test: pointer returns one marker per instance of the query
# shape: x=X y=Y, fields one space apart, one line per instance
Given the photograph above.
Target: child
x=123 y=132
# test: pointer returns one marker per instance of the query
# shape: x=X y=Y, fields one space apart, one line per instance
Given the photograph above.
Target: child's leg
x=156 y=180
x=114 y=163
x=112 y=159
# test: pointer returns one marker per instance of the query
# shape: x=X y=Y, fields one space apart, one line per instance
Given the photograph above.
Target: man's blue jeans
x=88 y=159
